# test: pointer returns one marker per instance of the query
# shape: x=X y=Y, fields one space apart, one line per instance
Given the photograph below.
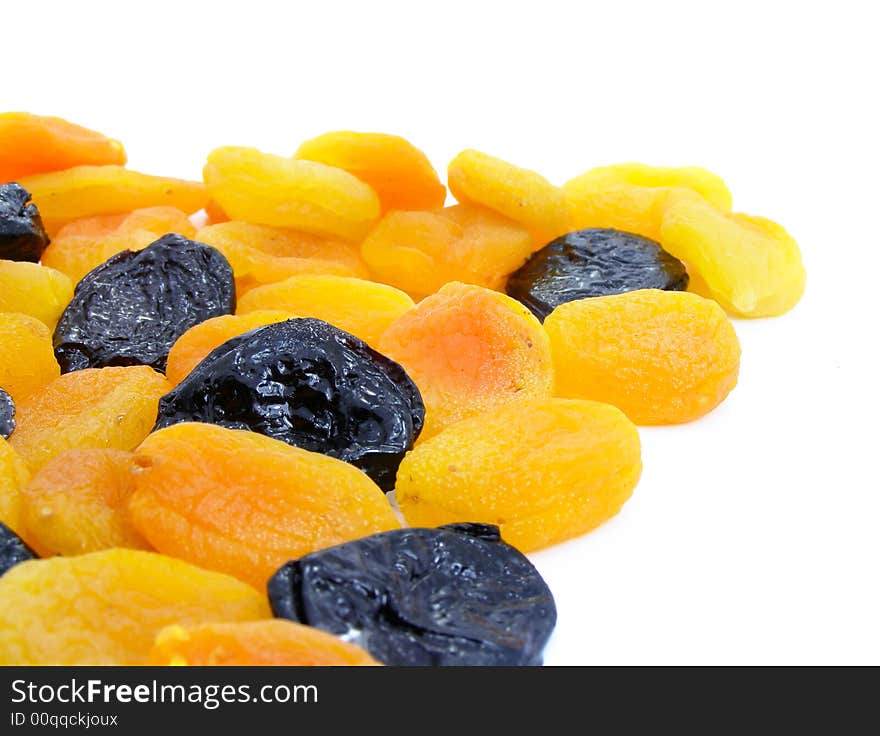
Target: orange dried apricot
x=418 y=252
x=242 y=503
x=470 y=350
x=27 y=362
x=195 y=344
x=35 y=144
x=87 y=191
x=215 y=213
x=274 y=642
x=97 y=407
x=364 y=308
x=106 y=608
x=663 y=357
x=542 y=470
x=13 y=476
x=522 y=195
x=30 y=288
x=399 y=172
x=76 y=503
x=283 y=192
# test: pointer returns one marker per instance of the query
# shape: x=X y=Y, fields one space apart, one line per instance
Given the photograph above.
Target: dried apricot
x=244 y=504
x=76 y=503
x=96 y=407
x=30 y=288
x=663 y=357
x=215 y=213
x=34 y=144
x=272 y=190
x=273 y=642
x=542 y=470
x=522 y=195
x=363 y=308
x=105 y=608
x=399 y=172
x=14 y=475
x=750 y=265
x=470 y=350
x=86 y=191
x=195 y=344
x=418 y=252
x=27 y=362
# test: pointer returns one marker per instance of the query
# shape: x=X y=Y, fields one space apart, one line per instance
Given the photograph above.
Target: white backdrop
x=753 y=535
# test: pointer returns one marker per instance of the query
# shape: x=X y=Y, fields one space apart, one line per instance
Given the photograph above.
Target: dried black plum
x=7 y=415
x=131 y=309
x=311 y=385
x=12 y=549
x=22 y=236
x=456 y=595
x=594 y=262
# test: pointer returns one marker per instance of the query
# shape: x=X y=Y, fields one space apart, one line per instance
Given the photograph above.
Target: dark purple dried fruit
x=7 y=415
x=311 y=385
x=131 y=309
x=22 y=236
x=593 y=262
x=456 y=595
x=12 y=549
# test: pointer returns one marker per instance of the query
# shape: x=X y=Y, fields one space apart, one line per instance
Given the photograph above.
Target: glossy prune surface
x=593 y=262
x=12 y=549
x=22 y=236
x=7 y=414
x=311 y=385
x=456 y=595
x=132 y=308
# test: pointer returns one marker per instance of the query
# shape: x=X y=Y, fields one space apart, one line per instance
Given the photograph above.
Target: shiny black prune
x=12 y=549
x=311 y=385
x=131 y=309
x=456 y=595
x=593 y=262
x=7 y=415
x=22 y=236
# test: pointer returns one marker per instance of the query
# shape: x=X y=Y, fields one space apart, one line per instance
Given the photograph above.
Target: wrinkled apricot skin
x=77 y=504
x=242 y=503
x=195 y=344
x=750 y=265
x=87 y=191
x=276 y=643
x=364 y=308
x=106 y=608
x=98 y=407
x=30 y=288
x=419 y=252
x=27 y=361
x=14 y=475
x=662 y=357
x=543 y=471
x=470 y=350
x=272 y=190
x=522 y=195
x=399 y=172
x=35 y=144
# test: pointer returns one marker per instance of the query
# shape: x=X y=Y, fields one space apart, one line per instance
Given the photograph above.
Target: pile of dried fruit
x=207 y=390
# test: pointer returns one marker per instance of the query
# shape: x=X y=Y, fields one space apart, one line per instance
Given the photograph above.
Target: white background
x=753 y=535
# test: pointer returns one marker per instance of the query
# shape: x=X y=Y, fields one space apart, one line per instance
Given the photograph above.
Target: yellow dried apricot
x=242 y=503
x=35 y=144
x=27 y=362
x=13 y=476
x=663 y=357
x=87 y=191
x=470 y=350
x=106 y=608
x=418 y=252
x=364 y=308
x=542 y=470
x=750 y=265
x=98 y=407
x=399 y=172
x=30 y=288
x=195 y=344
x=522 y=195
x=283 y=192
x=76 y=503
x=274 y=642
